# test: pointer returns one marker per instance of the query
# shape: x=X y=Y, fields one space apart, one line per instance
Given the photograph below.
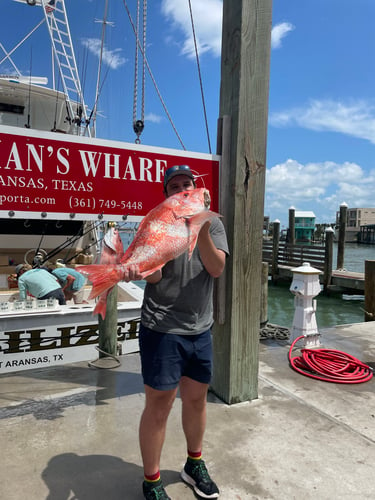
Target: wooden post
x=264 y=295
x=328 y=258
x=292 y=229
x=108 y=326
x=244 y=98
x=341 y=242
x=223 y=149
x=275 y=249
x=369 y=290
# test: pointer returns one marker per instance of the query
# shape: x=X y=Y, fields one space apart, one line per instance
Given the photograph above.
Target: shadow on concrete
x=89 y=387
x=85 y=477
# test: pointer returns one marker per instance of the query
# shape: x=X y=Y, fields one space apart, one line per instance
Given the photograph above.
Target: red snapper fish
x=166 y=232
x=112 y=252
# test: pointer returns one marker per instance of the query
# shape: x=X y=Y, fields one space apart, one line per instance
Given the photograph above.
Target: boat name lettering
x=21 y=341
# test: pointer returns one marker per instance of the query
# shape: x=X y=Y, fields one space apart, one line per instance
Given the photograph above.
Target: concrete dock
x=71 y=432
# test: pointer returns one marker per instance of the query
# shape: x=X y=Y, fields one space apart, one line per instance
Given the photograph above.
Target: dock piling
x=369 y=290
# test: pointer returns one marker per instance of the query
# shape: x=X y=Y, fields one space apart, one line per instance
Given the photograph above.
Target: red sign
x=49 y=175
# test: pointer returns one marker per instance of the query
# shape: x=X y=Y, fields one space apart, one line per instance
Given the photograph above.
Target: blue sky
x=321 y=134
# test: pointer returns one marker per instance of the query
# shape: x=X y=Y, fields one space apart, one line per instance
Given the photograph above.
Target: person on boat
x=39 y=283
x=72 y=283
x=176 y=347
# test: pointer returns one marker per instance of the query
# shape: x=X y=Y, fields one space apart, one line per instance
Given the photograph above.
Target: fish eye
x=186 y=195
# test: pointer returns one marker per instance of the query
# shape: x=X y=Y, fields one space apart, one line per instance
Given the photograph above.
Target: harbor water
x=332 y=310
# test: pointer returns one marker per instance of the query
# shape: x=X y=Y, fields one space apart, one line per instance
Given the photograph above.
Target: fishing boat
x=60 y=187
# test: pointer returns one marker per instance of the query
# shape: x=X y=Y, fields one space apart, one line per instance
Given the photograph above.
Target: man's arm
x=213 y=259
x=22 y=289
x=69 y=281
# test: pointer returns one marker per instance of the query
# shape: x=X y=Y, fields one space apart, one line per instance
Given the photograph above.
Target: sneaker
x=195 y=473
x=154 y=491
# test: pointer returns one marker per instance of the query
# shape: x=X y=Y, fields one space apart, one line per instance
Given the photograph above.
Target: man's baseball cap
x=19 y=268
x=177 y=170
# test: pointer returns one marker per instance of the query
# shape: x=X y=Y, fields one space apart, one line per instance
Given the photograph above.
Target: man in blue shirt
x=39 y=283
x=72 y=283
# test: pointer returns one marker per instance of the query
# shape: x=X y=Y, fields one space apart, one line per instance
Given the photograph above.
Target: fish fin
x=102 y=277
x=201 y=217
x=150 y=271
x=101 y=305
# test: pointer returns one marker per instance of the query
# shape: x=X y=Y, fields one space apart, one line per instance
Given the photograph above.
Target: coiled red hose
x=330 y=365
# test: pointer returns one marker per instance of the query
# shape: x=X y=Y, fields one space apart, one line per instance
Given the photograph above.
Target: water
x=331 y=310
x=355 y=256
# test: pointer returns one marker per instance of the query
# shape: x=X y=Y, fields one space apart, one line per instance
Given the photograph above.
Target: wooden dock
x=341 y=280
x=319 y=256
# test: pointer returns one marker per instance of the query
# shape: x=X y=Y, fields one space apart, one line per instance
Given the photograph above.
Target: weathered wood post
x=108 y=326
x=341 y=242
x=292 y=228
x=264 y=295
x=369 y=290
x=244 y=98
x=328 y=258
x=275 y=249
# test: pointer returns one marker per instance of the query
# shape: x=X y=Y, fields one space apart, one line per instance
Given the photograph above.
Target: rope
x=270 y=331
x=109 y=361
x=97 y=91
x=138 y=125
x=152 y=77
x=135 y=93
x=200 y=76
x=329 y=365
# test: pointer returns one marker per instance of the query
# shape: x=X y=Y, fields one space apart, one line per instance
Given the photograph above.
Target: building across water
x=304 y=225
x=360 y=225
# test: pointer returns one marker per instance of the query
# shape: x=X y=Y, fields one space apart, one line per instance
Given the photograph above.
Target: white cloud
x=151 y=117
x=207 y=16
x=355 y=118
x=279 y=31
x=320 y=187
x=112 y=58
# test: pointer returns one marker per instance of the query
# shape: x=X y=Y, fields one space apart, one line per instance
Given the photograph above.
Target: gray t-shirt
x=181 y=302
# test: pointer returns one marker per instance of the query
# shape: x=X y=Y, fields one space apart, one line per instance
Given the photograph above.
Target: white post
x=305 y=286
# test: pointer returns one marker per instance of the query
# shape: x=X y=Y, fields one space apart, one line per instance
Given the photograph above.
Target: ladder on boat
x=58 y=27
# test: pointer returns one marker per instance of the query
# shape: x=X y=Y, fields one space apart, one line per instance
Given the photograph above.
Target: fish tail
x=101 y=305
x=102 y=277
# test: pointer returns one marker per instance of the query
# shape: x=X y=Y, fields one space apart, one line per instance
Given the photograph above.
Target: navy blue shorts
x=167 y=357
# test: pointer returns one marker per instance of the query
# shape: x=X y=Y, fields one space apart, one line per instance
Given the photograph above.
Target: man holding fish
x=176 y=348
x=179 y=248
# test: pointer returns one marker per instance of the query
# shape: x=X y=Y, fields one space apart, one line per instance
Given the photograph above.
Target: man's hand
x=131 y=273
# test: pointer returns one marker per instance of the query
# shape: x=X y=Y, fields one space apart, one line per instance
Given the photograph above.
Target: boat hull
x=64 y=334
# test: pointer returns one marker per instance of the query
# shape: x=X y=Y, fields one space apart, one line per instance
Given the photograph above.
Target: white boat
x=35 y=334
x=60 y=185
